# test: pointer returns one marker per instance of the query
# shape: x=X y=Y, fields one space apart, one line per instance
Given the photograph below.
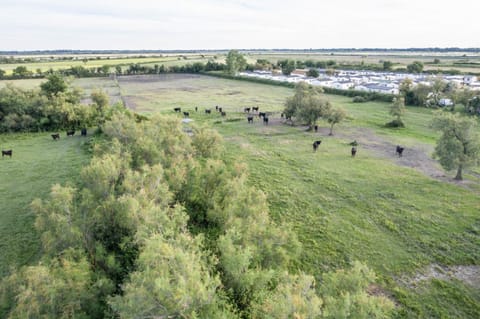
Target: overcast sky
x=217 y=24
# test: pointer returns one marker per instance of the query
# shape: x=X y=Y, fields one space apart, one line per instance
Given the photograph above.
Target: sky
x=237 y=24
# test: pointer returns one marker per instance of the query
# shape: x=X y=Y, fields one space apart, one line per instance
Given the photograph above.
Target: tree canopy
x=459 y=145
x=235 y=62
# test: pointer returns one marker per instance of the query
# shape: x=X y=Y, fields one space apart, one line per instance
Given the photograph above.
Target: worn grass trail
x=37 y=163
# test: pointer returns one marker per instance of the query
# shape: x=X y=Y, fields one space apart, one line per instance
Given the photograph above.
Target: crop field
x=403 y=217
x=60 y=64
x=37 y=163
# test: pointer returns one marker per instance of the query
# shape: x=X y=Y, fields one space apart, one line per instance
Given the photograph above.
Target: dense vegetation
x=161 y=225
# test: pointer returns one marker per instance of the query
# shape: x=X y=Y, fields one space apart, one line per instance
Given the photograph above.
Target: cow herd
x=250 y=112
x=55 y=137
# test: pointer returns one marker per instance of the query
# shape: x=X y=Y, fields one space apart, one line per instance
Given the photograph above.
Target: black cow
x=316 y=144
x=208 y=111
x=399 y=150
x=216 y=107
x=55 y=136
x=196 y=108
x=255 y=109
x=224 y=114
x=282 y=115
x=354 y=143
x=7 y=153
x=265 y=120
x=354 y=151
x=220 y=110
x=177 y=109
x=83 y=132
x=315 y=128
x=247 y=110
x=250 y=119
x=71 y=133
x=260 y=114
x=186 y=114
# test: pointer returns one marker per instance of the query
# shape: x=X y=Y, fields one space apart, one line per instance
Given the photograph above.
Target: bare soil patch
x=469 y=275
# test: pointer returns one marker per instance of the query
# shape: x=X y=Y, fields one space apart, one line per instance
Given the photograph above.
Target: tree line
x=55 y=106
x=162 y=226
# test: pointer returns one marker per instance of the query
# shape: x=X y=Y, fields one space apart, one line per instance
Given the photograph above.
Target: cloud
x=213 y=24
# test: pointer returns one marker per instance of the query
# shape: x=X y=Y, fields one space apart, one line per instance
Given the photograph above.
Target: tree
x=387 y=65
x=54 y=85
x=313 y=73
x=415 y=67
x=235 y=62
x=21 y=71
x=335 y=116
x=306 y=105
x=459 y=145
x=2 y=73
x=287 y=66
x=436 y=61
x=397 y=109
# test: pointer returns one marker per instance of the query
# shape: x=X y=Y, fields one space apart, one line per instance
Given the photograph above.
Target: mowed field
x=402 y=217
x=37 y=163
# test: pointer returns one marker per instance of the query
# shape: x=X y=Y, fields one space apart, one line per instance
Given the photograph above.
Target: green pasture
x=37 y=163
x=394 y=218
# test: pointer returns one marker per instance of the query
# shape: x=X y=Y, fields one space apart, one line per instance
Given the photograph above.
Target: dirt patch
x=377 y=291
x=469 y=275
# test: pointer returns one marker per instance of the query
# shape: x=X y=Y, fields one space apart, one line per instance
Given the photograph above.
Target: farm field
x=403 y=217
x=61 y=64
x=37 y=163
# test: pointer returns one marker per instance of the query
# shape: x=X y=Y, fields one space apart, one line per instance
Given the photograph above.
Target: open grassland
x=37 y=163
x=398 y=217
x=61 y=64
x=402 y=217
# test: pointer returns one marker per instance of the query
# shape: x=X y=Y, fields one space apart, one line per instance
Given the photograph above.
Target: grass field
x=402 y=217
x=59 y=64
x=37 y=163
x=398 y=217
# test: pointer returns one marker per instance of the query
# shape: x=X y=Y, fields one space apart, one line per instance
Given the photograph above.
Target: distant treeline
x=50 y=52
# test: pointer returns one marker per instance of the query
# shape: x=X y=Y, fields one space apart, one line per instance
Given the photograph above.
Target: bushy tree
x=459 y=145
x=55 y=84
x=313 y=73
x=307 y=105
x=287 y=66
x=335 y=116
x=415 y=67
x=235 y=62
x=397 y=110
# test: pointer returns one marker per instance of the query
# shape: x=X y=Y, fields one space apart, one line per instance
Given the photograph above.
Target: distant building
x=445 y=102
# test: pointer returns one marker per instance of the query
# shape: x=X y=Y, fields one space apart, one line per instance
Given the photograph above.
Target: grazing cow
x=316 y=128
x=224 y=114
x=208 y=111
x=354 y=143
x=220 y=110
x=216 y=107
x=316 y=144
x=265 y=120
x=354 y=151
x=399 y=150
x=83 y=132
x=71 y=133
x=7 y=153
x=250 y=119
x=282 y=115
x=186 y=114
x=260 y=114
x=177 y=109
x=55 y=136
x=255 y=109
x=196 y=108
x=247 y=110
